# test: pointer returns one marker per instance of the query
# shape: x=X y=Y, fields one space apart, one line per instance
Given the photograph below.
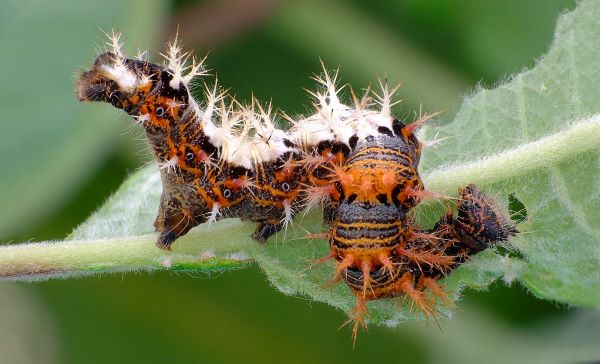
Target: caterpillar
x=358 y=162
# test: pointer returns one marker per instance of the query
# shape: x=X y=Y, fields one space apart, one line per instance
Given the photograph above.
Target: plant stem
x=226 y=244
x=582 y=136
x=198 y=251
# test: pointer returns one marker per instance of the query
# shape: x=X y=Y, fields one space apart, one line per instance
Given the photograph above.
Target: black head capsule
x=127 y=83
x=481 y=222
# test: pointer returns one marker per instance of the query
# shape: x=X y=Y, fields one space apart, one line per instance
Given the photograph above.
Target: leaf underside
x=559 y=247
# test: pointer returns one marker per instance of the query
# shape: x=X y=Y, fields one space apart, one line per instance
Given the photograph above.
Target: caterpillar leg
x=265 y=230
x=481 y=222
x=173 y=221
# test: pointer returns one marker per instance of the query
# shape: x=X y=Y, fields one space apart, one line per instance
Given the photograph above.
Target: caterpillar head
x=481 y=221
x=142 y=89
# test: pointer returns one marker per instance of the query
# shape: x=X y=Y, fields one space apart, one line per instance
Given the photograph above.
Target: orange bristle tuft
x=411 y=128
x=385 y=260
x=366 y=271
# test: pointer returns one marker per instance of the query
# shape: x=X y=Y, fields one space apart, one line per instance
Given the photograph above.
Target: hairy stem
x=200 y=250
x=578 y=138
x=226 y=244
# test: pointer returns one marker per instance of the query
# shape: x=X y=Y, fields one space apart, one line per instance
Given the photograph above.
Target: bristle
x=433 y=142
x=385 y=99
x=142 y=55
x=323 y=259
x=358 y=317
x=288 y=214
x=343 y=265
x=345 y=179
x=215 y=212
x=411 y=128
x=417 y=297
x=141 y=119
x=175 y=61
x=114 y=44
x=173 y=106
x=194 y=70
x=436 y=290
x=425 y=194
x=386 y=262
x=311 y=160
x=365 y=267
x=170 y=165
x=433 y=259
x=315 y=196
x=317 y=236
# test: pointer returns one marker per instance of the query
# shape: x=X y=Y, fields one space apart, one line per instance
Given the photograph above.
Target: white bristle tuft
x=212 y=98
x=214 y=214
x=114 y=44
x=331 y=97
x=235 y=147
x=385 y=99
x=118 y=71
x=270 y=140
x=360 y=105
x=196 y=69
x=175 y=62
x=141 y=119
x=170 y=165
x=142 y=55
x=288 y=215
x=249 y=135
x=172 y=104
x=214 y=133
x=145 y=80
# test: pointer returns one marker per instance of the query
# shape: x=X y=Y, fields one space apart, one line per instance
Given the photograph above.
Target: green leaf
x=533 y=136
x=536 y=136
x=552 y=105
x=43 y=43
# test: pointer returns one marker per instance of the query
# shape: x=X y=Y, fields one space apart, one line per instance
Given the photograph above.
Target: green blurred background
x=62 y=159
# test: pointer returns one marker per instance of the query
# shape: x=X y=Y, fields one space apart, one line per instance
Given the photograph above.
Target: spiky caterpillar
x=244 y=168
x=359 y=162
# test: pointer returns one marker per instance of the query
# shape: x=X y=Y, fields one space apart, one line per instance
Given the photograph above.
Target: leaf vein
x=521 y=108
x=578 y=215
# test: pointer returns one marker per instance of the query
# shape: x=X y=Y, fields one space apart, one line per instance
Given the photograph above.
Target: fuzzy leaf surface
x=536 y=136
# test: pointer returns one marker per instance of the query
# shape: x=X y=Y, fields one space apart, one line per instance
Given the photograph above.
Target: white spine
x=248 y=135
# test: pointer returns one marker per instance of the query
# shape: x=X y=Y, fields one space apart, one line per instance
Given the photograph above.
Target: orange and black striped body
x=371 y=224
x=198 y=185
x=379 y=250
x=274 y=195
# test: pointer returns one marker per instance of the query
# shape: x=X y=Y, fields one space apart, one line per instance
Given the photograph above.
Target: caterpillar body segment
x=207 y=172
x=379 y=251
